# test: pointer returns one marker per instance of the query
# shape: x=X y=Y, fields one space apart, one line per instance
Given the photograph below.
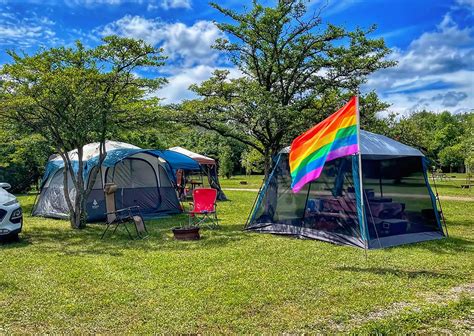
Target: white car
x=11 y=215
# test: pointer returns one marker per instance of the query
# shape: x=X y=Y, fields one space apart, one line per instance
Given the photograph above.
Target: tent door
x=137 y=185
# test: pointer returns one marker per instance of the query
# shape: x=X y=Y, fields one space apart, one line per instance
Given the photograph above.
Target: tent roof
x=116 y=152
x=92 y=150
x=377 y=145
x=177 y=160
x=195 y=156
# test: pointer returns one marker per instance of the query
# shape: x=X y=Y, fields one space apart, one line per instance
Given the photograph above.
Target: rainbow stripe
x=334 y=137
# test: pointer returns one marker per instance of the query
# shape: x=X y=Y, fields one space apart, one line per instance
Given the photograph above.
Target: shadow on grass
x=50 y=239
x=396 y=272
x=450 y=244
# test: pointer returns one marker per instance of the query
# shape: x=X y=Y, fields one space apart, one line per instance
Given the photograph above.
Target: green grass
x=58 y=280
x=251 y=182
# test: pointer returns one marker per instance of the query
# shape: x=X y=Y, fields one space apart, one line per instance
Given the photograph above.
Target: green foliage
x=297 y=72
x=452 y=156
x=72 y=96
x=225 y=161
x=22 y=160
x=252 y=161
x=445 y=138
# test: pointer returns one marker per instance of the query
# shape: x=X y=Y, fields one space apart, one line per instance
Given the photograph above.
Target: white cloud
x=177 y=88
x=151 y=4
x=434 y=72
x=92 y=3
x=137 y=27
x=168 y=4
x=469 y=3
x=189 y=45
x=25 y=31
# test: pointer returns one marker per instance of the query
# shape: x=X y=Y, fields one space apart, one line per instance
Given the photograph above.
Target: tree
x=22 y=159
x=75 y=96
x=452 y=156
x=252 y=161
x=226 y=166
x=295 y=73
x=445 y=138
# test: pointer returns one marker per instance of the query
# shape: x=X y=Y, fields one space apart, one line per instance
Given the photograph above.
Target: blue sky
x=432 y=40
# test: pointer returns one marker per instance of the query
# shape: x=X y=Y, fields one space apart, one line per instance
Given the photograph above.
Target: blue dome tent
x=399 y=204
x=143 y=177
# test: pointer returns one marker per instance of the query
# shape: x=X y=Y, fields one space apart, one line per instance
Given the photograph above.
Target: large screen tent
x=399 y=206
x=143 y=177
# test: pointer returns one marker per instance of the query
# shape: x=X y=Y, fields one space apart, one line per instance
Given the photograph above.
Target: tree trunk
x=267 y=163
x=79 y=215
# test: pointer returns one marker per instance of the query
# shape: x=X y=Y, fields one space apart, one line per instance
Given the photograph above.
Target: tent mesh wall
x=324 y=209
x=398 y=202
x=399 y=207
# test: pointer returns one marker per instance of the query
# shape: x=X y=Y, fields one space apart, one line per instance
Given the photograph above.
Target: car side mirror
x=5 y=185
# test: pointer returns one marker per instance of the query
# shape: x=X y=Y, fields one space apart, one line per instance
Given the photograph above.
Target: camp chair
x=122 y=216
x=204 y=207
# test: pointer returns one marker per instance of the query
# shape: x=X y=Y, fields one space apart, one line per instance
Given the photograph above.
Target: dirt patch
x=396 y=308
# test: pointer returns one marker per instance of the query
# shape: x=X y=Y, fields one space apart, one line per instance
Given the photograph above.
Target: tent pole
x=380 y=178
x=440 y=208
x=306 y=204
x=361 y=185
x=247 y=222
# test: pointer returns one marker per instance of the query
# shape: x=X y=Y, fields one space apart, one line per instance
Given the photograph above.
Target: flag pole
x=361 y=185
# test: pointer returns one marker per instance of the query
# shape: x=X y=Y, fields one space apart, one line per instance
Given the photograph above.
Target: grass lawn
x=57 y=280
x=250 y=182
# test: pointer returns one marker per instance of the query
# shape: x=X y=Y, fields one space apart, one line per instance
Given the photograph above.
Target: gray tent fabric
x=396 y=207
x=143 y=178
x=379 y=145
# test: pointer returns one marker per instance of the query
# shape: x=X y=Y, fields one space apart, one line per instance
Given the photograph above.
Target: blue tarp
x=177 y=160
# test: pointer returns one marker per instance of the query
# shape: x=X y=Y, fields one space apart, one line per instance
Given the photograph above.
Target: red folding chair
x=204 y=207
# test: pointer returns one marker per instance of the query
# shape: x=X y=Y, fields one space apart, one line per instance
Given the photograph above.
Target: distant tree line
x=446 y=139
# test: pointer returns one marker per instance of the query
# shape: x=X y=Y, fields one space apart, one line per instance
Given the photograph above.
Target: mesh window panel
x=324 y=209
x=397 y=198
x=331 y=205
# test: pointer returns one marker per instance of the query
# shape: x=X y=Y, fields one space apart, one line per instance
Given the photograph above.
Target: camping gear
x=204 y=208
x=122 y=216
x=144 y=178
x=391 y=205
x=207 y=167
x=334 y=137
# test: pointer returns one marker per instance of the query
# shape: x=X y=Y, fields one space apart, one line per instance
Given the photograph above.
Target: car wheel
x=13 y=237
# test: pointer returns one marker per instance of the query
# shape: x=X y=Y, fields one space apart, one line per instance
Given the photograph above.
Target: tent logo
x=95 y=204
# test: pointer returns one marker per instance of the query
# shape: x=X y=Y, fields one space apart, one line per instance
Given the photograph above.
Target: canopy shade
x=177 y=160
x=376 y=145
x=204 y=160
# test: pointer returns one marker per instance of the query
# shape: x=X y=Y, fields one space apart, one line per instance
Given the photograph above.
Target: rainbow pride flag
x=334 y=137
